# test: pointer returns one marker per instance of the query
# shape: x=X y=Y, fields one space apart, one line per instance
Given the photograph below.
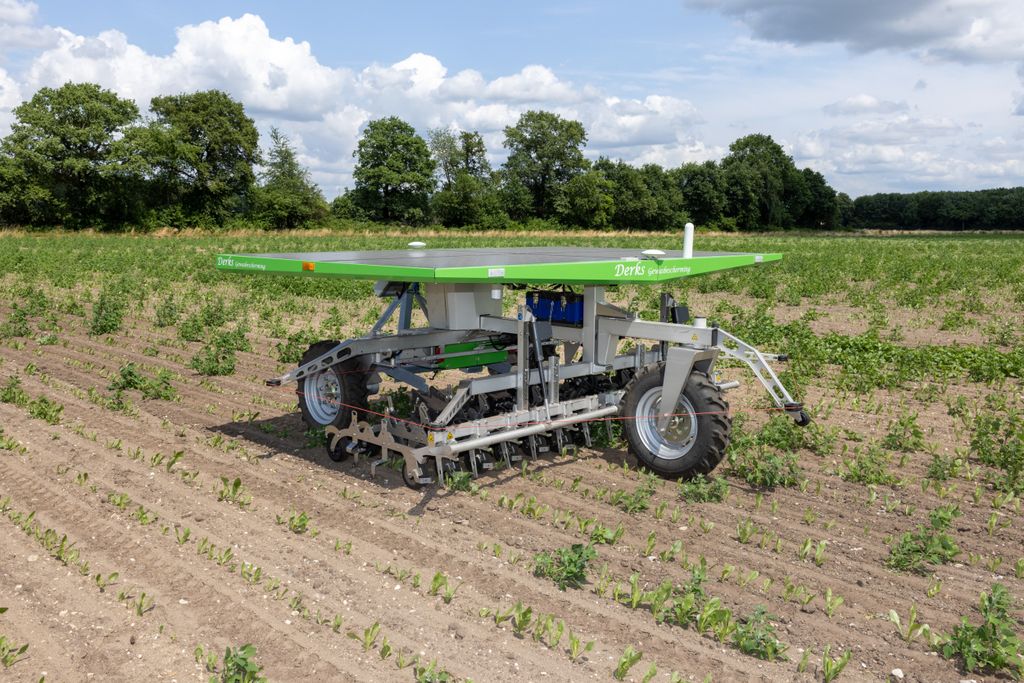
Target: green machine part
x=470 y=360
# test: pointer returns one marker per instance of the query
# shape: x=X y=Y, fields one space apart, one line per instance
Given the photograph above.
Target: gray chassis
x=403 y=356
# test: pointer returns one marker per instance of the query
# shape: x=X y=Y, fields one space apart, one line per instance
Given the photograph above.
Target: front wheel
x=696 y=435
x=330 y=396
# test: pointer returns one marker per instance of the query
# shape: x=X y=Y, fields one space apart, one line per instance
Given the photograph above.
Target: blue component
x=556 y=307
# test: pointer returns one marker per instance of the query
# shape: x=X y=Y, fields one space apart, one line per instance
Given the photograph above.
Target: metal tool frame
x=410 y=352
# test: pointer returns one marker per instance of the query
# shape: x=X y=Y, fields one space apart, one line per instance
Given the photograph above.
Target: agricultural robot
x=537 y=381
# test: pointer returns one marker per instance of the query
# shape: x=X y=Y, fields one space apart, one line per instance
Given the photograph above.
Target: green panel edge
x=585 y=273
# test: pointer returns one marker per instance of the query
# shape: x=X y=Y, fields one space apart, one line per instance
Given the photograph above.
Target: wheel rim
x=680 y=434
x=323 y=396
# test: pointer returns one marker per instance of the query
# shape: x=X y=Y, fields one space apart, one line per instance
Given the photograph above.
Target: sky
x=878 y=95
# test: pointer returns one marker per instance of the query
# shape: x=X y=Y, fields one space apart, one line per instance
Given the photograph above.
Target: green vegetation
x=703 y=489
x=992 y=645
x=916 y=551
x=567 y=567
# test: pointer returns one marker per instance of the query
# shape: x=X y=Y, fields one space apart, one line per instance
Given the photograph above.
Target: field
x=160 y=504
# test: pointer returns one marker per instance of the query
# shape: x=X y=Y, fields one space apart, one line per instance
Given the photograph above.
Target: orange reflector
x=308 y=265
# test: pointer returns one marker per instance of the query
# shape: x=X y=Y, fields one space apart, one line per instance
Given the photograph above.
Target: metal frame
x=408 y=353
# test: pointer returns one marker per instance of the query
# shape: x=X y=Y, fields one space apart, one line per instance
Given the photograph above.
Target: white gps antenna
x=688 y=240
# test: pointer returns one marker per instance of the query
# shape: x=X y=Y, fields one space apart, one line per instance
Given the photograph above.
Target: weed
x=44 y=409
x=459 y=481
x=869 y=467
x=108 y=311
x=992 y=645
x=702 y=489
x=755 y=636
x=762 y=467
x=904 y=434
x=240 y=666
x=914 y=551
x=565 y=566
x=430 y=673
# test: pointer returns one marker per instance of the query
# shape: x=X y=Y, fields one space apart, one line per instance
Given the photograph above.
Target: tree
x=586 y=201
x=545 y=152
x=821 y=209
x=203 y=147
x=287 y=198
x=771 y=172
x=65 y=162
x=394 y=173
x=463 y=152
x=703 y=191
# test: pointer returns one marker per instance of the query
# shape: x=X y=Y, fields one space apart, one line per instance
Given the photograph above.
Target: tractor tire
x=329 y=397
x=695 y=440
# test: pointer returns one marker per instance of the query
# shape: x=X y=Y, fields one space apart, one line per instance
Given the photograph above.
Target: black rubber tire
x=351 y=380
x=713 y=424
x=339 y=452
x=414 y=485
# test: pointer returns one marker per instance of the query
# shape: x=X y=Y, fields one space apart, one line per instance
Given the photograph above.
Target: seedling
x=368 y=639
x=913 y=628
x=182 y=535
x=297 y=522
x=831 y=668
x=629 y=658
x=577 y=648
x=745 y=530
x=522 y=617
x=102 y=582
x=234 y=492
x=832 y=602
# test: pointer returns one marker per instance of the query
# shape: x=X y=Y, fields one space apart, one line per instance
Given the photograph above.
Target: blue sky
x=877 y=95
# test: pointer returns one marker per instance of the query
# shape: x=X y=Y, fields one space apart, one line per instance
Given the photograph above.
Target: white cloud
x=900 y=133
x=863 y=104
x=955 y=30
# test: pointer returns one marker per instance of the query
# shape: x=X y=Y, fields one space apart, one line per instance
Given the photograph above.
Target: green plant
x=869 y=467
x=240 y=666
x=459 y=481
x=914 y=551
x=702 y=489
x=992 y=645
x=755 y=636
x=832 y=602
x=629 y=658
x=913 y=627
x=765 y=468
x=44 y=409
x=577 y=648
x=108 y=311
x=430 y=673
x=904 y=434
x=368 y=638
x=745 y=529
x=522 y=617
x=606 y=536
x=565 y=566
x=831 y=668
x=297 y=522
x=234 y=492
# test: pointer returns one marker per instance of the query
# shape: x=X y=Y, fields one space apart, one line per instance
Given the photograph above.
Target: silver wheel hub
x=680 y=432
x=323 y=396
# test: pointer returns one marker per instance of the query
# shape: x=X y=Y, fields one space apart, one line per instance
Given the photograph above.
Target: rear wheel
x=328 y=397
x=694 y=440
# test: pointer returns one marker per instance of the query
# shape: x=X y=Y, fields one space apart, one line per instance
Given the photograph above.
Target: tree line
x=80 y=156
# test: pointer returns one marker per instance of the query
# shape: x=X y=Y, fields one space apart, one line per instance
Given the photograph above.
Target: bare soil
x=77 y=632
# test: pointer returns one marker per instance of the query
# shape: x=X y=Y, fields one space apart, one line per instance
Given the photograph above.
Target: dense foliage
x=80 y=156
